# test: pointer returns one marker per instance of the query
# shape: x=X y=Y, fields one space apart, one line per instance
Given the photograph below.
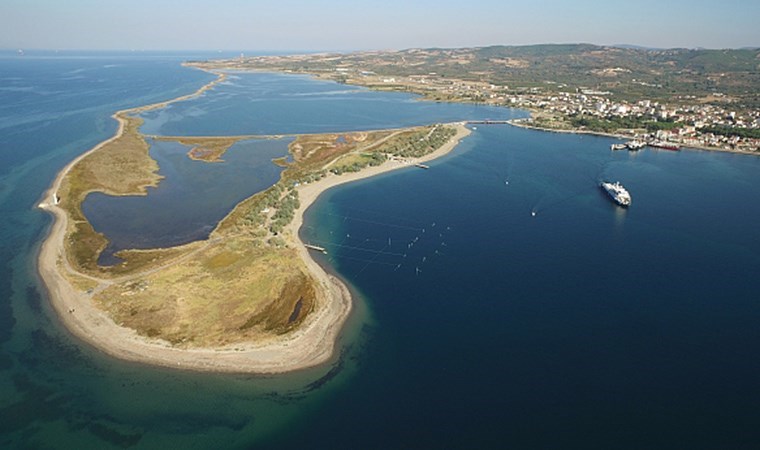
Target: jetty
x=488 y=122
x=316 y=248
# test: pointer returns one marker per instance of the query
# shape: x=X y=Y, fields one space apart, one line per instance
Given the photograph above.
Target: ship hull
x=621 y=201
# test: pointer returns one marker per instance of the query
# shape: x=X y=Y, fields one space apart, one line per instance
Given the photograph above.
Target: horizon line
x=294 y=51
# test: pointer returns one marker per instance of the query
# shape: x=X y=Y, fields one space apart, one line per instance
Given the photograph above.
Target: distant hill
x=634 y=47
x=628 y=73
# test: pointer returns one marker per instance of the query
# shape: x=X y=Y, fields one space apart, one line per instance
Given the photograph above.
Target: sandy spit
x=312 y=344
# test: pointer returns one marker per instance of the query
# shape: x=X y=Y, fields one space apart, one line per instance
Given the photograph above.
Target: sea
x=501 y=299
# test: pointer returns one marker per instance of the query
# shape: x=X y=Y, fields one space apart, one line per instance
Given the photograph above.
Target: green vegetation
x=421 y=142
x=286 y=208
x=613 y=123
x=723 y=130
x=357 y=162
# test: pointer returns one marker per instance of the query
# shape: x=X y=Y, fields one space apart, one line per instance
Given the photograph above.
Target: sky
x=341 y=25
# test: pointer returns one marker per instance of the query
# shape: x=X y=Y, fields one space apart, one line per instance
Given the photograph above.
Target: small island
x=248 y=299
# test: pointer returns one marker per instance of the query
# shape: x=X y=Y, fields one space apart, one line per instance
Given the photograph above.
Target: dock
x=316 y=248
x=488 y=122
x=421 y=166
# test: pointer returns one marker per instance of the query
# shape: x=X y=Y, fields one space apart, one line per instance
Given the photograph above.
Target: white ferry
x=617 y=192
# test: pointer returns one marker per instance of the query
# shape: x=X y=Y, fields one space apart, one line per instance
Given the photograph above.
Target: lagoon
x=194 y=196
x=189 y=201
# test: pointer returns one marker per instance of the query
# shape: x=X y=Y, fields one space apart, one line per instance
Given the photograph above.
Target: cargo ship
x=617 y=192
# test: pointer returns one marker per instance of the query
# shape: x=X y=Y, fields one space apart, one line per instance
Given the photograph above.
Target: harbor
x=637 y=144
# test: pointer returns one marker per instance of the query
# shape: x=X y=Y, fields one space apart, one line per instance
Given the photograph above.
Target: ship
x=635 y=145
x=617 y=146
x=617 y=192
x=665 y=145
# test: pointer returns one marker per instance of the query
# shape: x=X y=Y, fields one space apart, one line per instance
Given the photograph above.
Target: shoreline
x=312 y=344
x=515 y=122
x=521 y=123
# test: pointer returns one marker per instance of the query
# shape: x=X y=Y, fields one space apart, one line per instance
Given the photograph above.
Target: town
x=687 y=122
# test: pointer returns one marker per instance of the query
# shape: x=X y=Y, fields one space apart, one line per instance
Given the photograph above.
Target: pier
x=316 y=248
x=488 y=122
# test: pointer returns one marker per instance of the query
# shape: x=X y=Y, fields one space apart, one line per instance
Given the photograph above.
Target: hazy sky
x=358 y=24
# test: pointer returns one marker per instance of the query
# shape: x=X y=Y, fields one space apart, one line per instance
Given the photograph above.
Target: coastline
x=313 y=343
x=425 y=96
x=521 y=123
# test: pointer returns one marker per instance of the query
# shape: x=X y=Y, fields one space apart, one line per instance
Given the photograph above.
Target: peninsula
x=249 y=298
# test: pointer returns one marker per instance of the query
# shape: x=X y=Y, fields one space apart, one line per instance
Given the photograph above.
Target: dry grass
x=121 y=167
x=208 y=149
x=226 y=294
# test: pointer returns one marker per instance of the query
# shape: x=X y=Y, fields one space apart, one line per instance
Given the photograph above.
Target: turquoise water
x=479 y=324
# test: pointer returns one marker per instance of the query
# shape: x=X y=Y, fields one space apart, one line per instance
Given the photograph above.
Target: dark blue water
x=189 y=201
x=584 y=326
